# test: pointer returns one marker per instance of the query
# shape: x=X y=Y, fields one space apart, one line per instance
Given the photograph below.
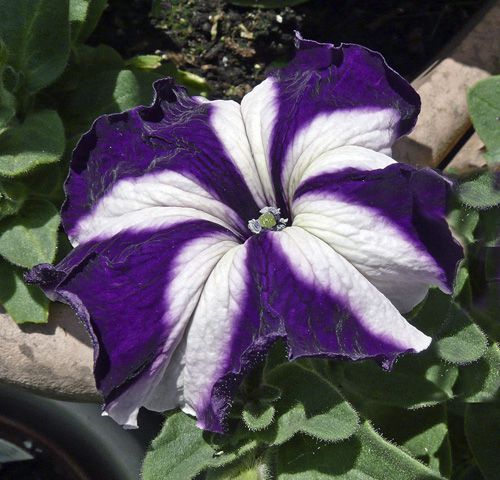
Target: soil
x=232 y=47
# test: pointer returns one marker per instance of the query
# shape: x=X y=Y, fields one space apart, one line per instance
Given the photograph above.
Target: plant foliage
x=52 y=87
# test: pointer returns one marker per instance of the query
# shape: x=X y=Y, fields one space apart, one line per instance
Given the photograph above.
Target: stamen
x=270 y=219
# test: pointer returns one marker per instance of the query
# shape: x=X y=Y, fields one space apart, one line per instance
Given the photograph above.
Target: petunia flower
x=206 y=230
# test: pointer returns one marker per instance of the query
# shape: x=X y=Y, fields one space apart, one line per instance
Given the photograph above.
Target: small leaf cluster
x=433 y=415
x=52 y=87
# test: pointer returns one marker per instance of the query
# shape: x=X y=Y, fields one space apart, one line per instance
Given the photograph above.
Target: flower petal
x=325 y=98
x=180 y=152
x=286 y=284
x=136 y=292
x=388 y=222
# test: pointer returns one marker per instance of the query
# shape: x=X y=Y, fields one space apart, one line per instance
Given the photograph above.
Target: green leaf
x=462 y=292
x=194 y=84
x=182 y=450
x=92 y=60
x=457 y=338
x=432 y=313
x=84 y=16
x=36 y=33
x=415 y=381
x=12 y=197
x=47 y=182
x=366 y=455
x=258 y=415
x=30 y=237
x=309 y=404
x=106 y=92
x=250 y=467
x=268 y=393
x=37 y=141
x=482 y=427
x=489 y=226
x=463 y=222
x=267 y=3
x=24 y=303
x=7 y=100
x=484 y=107
x=85 y=62
x=480 y=381
x=144 y=62
x=423 y=433
x=461 y=341
x=481 y=192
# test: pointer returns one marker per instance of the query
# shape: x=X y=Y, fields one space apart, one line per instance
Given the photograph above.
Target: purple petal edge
x=323 y=79
x=135 y=291
x=173 y=133
x=412 y=199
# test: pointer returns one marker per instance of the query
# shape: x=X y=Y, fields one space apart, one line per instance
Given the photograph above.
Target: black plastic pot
x=44 y=439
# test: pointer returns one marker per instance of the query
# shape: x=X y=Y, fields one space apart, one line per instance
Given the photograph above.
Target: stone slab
x=443 y=89
x=54 y=359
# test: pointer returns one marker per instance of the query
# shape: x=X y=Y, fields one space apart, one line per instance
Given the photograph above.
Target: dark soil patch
x=232 y=46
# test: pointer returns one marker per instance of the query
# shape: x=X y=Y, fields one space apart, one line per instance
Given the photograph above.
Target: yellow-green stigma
x=269 y=220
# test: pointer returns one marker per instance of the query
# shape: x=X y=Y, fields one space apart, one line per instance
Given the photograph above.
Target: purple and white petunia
x=206 y=230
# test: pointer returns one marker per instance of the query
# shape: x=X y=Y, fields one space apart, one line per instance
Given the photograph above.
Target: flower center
x=269 y=220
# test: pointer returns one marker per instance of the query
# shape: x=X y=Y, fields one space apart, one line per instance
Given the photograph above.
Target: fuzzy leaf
x=461 y=341
x=182 y=450
x=423 y=432
x=92 y=60
x=144 y=62
x=463 y=222
x=24 y=303
x=12 y=197
x=482 y=425
x=30 y=237
x=432 y=313
x=7 y=100
x=268 y=393
x=258 y=415
x=38 y=140
x=84 y=16
x=309 y=404
x=461 y=288
x=481 y=192
x=366 y=455
x=489 y=226
x=457 y=338
x=484 y=105
x=480 y=381
x=36 y=33
x=106 y=92
x=415 y=381
x=47 y=182
x=249 y=468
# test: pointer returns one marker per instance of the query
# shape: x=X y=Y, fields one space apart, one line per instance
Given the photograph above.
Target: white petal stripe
x=260 y=110
x=166 y=195
x=320 y=266
x=193 y=266
x=371 y=129
x=378 y=249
